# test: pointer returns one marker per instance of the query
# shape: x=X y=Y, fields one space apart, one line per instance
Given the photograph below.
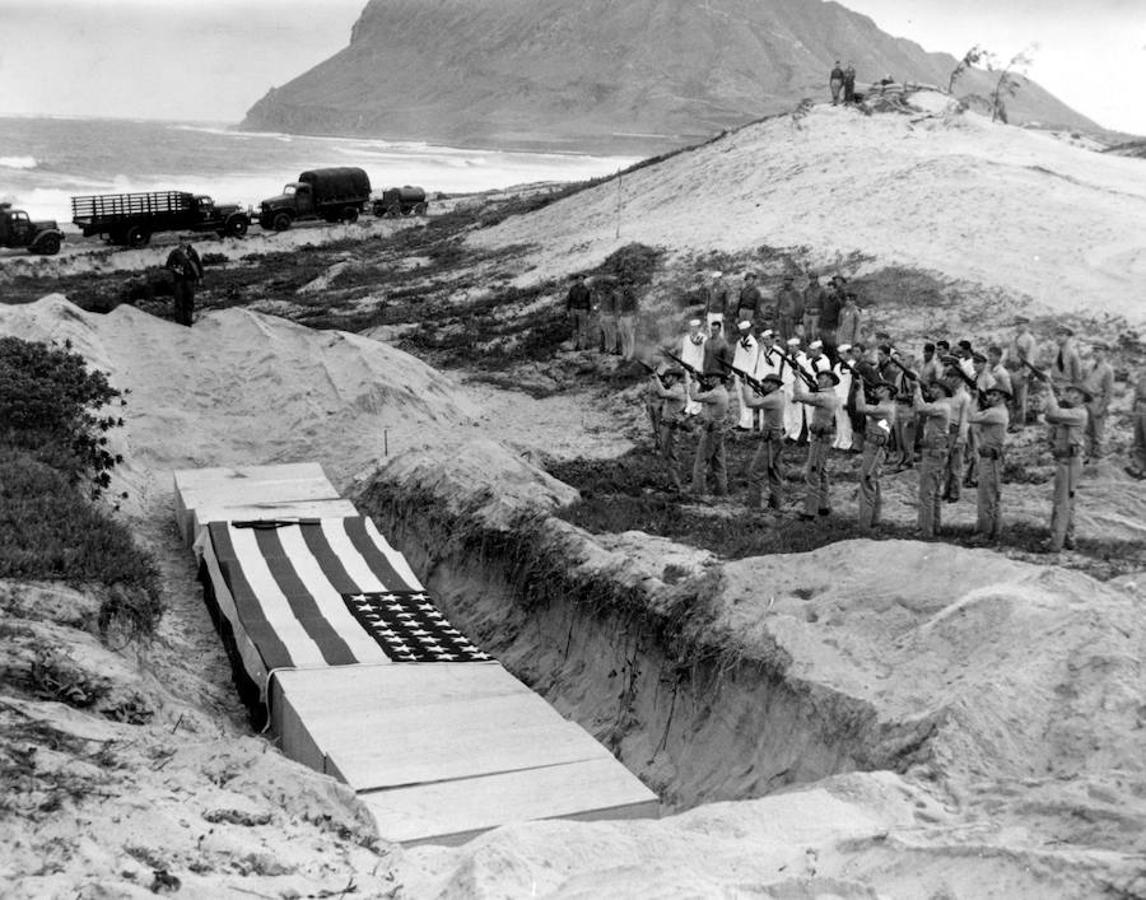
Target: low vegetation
x=54 y=466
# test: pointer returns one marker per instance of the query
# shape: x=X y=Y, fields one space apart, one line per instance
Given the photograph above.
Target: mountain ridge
x=587 y=74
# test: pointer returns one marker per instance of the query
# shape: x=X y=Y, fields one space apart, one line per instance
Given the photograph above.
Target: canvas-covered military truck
x=132 y=219
x=336 y=194
x=407 y=200
x=18 y=230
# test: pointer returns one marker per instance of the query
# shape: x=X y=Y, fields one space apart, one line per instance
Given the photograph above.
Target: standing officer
x=1068 y=419
x=880 y=423
x=990 y=421
x=788 y=305
x=822 y=431
x=1067 y=365
x=1022 y=350
x=669 y=390
x=935 y=412
x=1100 y=382
x=710 y=393
x=187 y=269
x=578 y=304
x=749 y=301
x=765 y=465
x=1137 y=467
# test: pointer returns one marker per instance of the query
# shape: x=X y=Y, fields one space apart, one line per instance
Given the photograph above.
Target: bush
x=49 y=405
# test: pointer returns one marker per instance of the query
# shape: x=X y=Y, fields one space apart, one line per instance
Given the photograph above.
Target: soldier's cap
x=1064 y=329
x=816 y=345
x=788 y=276
x=744 y=326
x=999 y=389
x=767 y=333
x=839 y=278
x=946 y=345
x=772 y=379
x=1100 y=345
x=717 y=274
x=793 y=342
x=1022 y=320
x=978 y=357
x=843 y=348
x=828 y=373
x=943 y=386
x=694 y=323
x=1082 y=389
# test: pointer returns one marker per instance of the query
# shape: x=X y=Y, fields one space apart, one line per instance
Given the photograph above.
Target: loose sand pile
x=998 y=206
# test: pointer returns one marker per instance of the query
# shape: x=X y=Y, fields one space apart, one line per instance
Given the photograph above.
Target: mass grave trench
x=631 y=657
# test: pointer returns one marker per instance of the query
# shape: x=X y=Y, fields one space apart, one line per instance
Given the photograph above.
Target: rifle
x=652 y=371
x=911 y=376
x=757 y=386
x=964 y=377
x=844 y=364
x=809 y=380
x=1038 y=373
x=692 y=370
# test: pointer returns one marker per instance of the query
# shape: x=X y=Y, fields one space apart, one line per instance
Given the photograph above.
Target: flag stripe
x=302 y=602
x=249 y=611
x=379 y=559
x=364 y=567
x=323 y=575
x=277 y=608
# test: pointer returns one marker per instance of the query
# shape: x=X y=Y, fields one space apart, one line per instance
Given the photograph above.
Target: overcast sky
x=210 y=60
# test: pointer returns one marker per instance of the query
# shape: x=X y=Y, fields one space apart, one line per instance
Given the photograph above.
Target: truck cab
x=334 y=194
x=18 y=230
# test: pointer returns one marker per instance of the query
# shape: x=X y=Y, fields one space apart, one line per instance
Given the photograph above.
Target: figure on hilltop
x=850 y=84
x=187 y=270
x=836 y=83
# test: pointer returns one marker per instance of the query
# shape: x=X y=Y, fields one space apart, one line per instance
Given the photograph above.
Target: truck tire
x=281 y=221
x=349 y=215
x=137 y=236
x=379 y=209
x=419 y=209
x=237 y=226
x=48 y=246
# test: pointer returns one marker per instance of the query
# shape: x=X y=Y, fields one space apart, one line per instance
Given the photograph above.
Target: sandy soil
x=1031 y=675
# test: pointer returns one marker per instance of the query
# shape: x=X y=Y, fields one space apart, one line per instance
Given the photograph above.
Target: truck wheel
x=379 y=210
x=237 y=226
x=281 y=221
x=49 y=246
x=420 y=209
x=349 y=215
x=137 y=236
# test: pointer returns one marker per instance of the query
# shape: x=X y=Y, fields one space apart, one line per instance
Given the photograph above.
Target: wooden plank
x=194 y=478
x=294 y=739
x=452 y=811
x=281 y=509
x=246 y=492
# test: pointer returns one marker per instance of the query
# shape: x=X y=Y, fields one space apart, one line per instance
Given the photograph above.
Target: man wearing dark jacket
x=187 y=269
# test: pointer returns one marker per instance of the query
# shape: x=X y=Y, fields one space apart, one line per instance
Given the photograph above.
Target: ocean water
x=44 y=161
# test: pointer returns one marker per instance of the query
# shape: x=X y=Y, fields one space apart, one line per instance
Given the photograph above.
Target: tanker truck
x=336 y=194
x=401 y=201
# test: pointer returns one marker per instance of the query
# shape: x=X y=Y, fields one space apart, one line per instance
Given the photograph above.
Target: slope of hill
x=1014 y=211
x=589 y=73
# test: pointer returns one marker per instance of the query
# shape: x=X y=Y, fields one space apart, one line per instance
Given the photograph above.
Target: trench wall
x=639 y=663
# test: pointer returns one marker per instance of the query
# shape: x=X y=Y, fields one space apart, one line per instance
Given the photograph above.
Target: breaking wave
x=18 y=162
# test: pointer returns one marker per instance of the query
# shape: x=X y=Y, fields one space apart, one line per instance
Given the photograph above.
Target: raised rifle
x=809 y=380
x=964 y=377
x=757 y=386
x=1038 y=373
x=692 y=370
x=652 y=371
x=895 y=361
x=856 y=373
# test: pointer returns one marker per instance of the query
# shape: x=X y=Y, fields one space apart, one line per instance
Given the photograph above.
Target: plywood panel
x=452 y=811
x=194 y=478
x=242 y=492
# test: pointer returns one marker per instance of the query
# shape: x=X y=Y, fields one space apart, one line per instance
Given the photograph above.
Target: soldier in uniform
x=605 y=293
x=959 y=430
x=990 y=421
x=935 y=411
x=711 y=394
x=1100 y=382
x=765 y=465
x=1067 y=365
x=789 y=303
x=1068 y=420
x=692 y=352
x=669 y=390
x=187 y=270
x=822 y=431
x=814 y=295
x=748 y=303
x=578 y=305
x=880 y=423
x=1137 y=467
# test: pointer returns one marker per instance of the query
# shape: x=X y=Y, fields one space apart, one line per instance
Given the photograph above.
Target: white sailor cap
x=717 y=274
x=767 y=333
x=793 y=342
x=843 y=348
x=816 y=344
x=744 y=326
x=694 y=323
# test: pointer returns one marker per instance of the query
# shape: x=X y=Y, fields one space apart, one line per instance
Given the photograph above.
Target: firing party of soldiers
x=795 y=370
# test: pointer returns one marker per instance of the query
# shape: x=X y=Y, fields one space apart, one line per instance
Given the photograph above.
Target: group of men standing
x=604 y=314
x=949 y=416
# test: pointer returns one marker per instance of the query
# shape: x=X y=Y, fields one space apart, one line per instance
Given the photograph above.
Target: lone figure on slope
x=187 y=270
